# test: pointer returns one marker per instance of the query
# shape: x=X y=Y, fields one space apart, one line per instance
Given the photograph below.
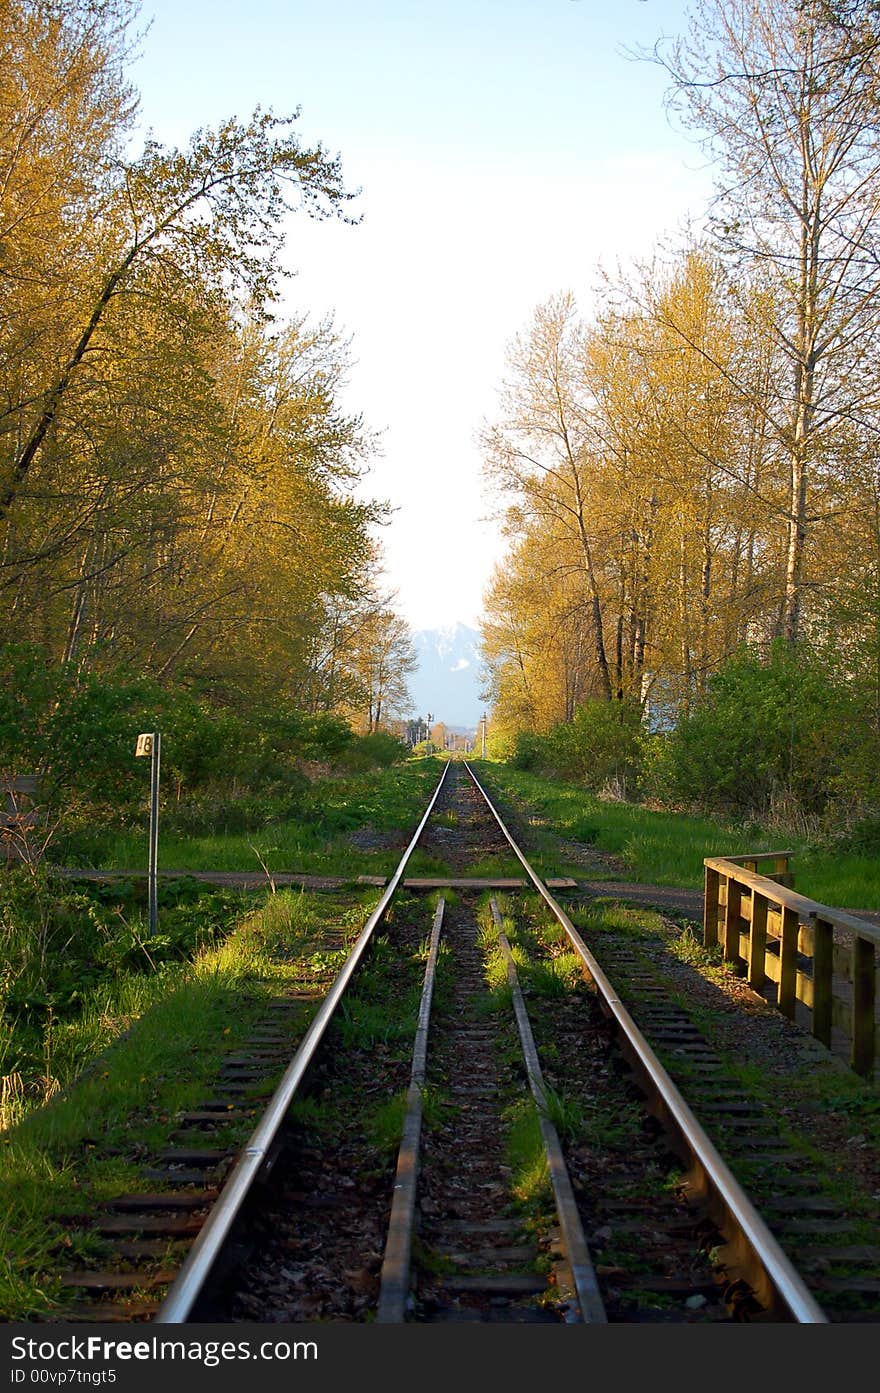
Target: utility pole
x=483 y=722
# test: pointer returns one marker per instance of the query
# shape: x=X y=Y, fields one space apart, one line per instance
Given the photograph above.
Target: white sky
x=505 y=150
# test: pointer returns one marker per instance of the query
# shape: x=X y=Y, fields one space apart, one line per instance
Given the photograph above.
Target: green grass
x=386 y=801
x=164 y=1035
x=80 y=964
x=605 y=915
x=385 y=1126
x=667 y=848
x=566 y=1115
x=525 y=1154
x=496 y=868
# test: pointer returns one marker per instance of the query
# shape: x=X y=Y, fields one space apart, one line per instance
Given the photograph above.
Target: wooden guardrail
x=822 y=957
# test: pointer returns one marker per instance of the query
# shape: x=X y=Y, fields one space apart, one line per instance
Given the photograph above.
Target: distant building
x=659 y=703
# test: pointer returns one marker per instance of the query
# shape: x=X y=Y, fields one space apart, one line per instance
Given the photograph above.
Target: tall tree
x=211 y=214
x=787 y=105
x=541 y=453
x=382 y=657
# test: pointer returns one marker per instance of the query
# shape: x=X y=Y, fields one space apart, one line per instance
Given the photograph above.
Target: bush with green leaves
x=378 y=749
x=602 y=745
x=224 y=769
x=58 y=940
x=780 y=728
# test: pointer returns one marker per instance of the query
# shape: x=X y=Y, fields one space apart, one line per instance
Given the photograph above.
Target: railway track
x=532 y=1184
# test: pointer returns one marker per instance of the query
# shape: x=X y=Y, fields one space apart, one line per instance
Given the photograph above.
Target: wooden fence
x=816 y=955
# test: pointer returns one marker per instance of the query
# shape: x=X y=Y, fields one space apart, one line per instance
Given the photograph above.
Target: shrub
x=602 y=745
x=764 y=731
x=529 y=750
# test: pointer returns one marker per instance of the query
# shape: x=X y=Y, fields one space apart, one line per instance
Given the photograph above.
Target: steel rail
x=782 y=1276
x=395 y=1280
x=586 y=1285
x=185 y=1289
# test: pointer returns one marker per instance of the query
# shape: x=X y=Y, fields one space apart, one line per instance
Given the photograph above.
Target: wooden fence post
x=781 y=874
x=710 y=909
x=864 y=990
x=758 y=942
x=732 y=915
x=823 y=951
x=788 y=962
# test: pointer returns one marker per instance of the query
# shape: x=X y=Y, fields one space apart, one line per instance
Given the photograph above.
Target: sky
x=505 y=150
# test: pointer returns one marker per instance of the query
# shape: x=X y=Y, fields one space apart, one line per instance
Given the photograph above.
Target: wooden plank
x=863 y=1007
x=164 y=1199
x=468 y=882
x=117 y=1281
x=732 y=916
x=788 y=962
x=757 y=951
x=823 y=990
x=806 y=940
x=710 y=909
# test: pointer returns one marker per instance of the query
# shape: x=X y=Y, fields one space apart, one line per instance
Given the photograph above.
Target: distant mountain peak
x=447 y=682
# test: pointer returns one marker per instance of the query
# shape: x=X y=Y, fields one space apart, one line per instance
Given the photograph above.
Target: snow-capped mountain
x=447 y=681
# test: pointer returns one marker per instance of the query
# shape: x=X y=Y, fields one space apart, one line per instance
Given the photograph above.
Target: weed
x=566 y=1115
x=385 y=1125
x=525 y=1154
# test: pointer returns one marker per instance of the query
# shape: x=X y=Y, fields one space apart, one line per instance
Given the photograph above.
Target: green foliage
x=223 y=770
x=378 y=749
x=602 y=745
x=60 y=942
x=28 y=689
x=763 y=730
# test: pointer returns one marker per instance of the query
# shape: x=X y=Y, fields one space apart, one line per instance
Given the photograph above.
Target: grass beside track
x=811 y=1083
x=822 y=1109
x=348 y=827
x=171 y=1030
x=665 y=848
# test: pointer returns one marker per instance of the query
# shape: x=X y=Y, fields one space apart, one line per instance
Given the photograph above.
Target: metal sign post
x=484 y=736
x=152 y=745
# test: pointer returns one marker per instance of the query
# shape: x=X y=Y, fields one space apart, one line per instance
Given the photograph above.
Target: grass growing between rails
x=172 y=1030
x=343 y=827
x=666 y=848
